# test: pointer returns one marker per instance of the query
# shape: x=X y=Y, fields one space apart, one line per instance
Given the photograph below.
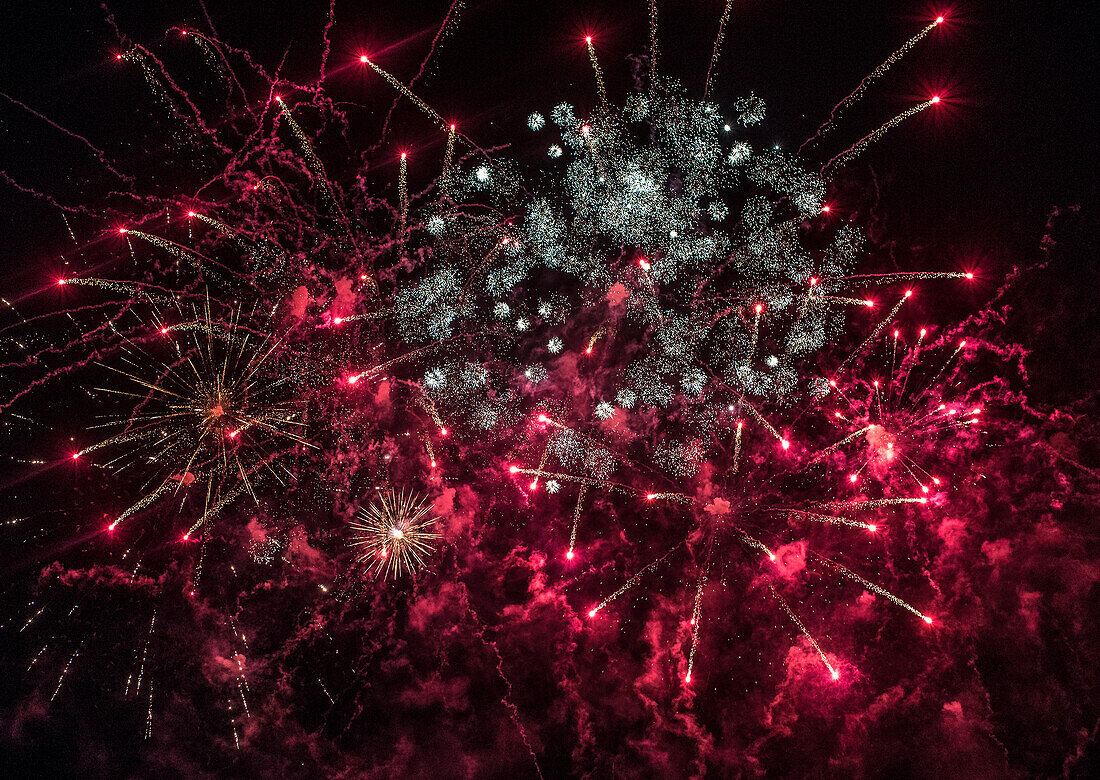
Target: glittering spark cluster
x=393 y=534
x=656 y=333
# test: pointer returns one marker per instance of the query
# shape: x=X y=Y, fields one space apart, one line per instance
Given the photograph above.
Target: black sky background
x=969 y=185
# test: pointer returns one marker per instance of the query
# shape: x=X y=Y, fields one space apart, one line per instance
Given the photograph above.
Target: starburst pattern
x=394 y=533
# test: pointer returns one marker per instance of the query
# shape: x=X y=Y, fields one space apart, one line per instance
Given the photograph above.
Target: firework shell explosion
x=631 y=405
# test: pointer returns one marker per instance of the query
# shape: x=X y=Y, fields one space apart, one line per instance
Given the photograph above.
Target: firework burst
x=394 y=533
x=215 y=412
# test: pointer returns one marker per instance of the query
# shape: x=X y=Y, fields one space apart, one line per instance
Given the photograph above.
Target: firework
x=655 y=326
x=394 y=533
x=211 y=413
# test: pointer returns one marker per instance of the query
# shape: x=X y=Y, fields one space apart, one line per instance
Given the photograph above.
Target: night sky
x=485 y=663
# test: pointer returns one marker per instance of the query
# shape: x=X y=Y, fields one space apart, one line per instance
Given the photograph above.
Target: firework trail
x=596 y=70
x=859 y=146
x=717 y=47
x=867 y=82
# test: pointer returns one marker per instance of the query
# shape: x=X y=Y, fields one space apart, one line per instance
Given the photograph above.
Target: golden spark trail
x=875 y=75
x=313 y=161
x=756 y=544
x=859 y=146
x=132 y=289
x=176 y=250
x=717 y=46
x=652 y=39
x=592 y=341
x=220 y=504
x=630 y=583
x=875 y=333
x=448 y=157
x=307 y=148
x=767 y=425
x=819 y=518
x=405 y=91
x=904 y=276
x=755 y=331
x=737 y=445
x=403 y=191
x=426 y=402
x=596 y=70
x=586 y=132
x=871 y=503
x=576 y=520
x=144 y=502
x=427 y=440
x=913 y=363
x=794 y=618
x=697 y=610
x=839 y=299
x=871 y=586
x=64 y=671
x=838 y=445
x=370 y=315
